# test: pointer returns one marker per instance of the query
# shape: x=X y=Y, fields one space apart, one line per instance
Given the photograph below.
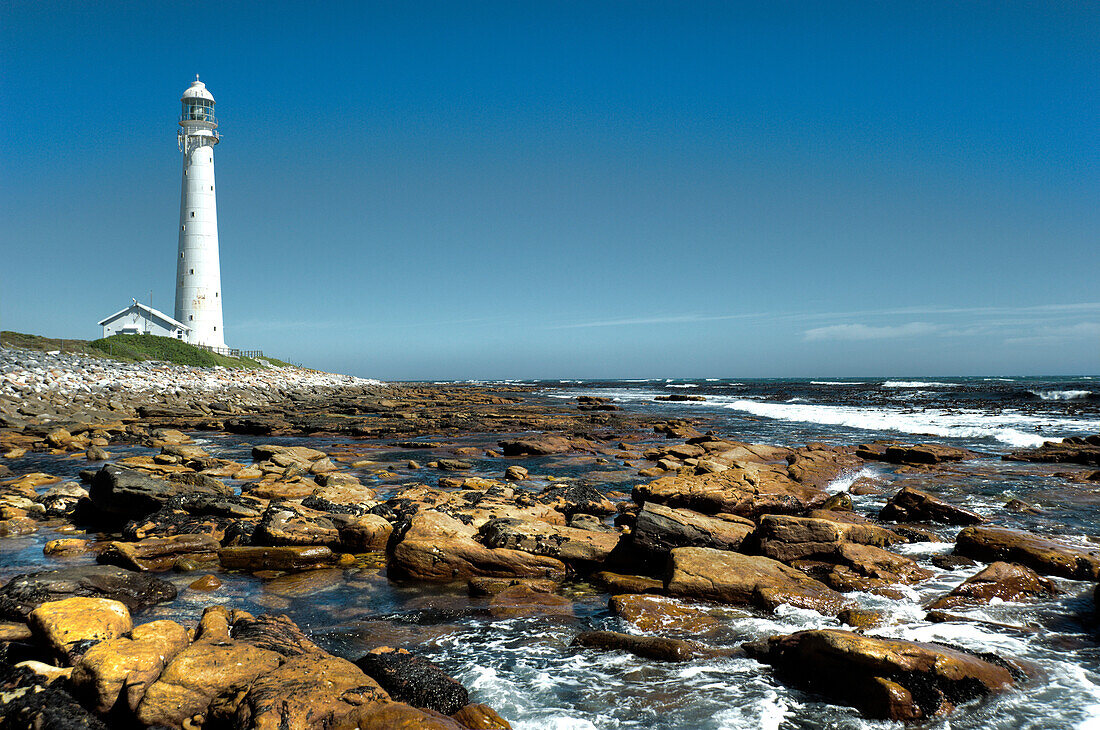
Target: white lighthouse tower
x=198 y=278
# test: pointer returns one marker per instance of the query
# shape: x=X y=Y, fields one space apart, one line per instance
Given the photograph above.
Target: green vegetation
x=133 y=348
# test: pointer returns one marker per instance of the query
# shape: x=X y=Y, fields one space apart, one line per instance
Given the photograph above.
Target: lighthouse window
x=190 y=317
x=181 y=254
x=183 y=227
x=192 y=214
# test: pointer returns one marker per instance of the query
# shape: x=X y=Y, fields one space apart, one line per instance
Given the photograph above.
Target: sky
x=452 y=190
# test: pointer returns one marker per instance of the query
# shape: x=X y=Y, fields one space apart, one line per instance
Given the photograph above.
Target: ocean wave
x=918 y=384
x=835 y=382
x=1061 y=394
x=685 y=385
x=956 y=424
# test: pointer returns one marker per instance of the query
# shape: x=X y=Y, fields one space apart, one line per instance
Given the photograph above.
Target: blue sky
x=574 y=189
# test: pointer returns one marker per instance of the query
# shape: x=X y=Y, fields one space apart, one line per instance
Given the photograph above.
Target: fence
x=232 y=351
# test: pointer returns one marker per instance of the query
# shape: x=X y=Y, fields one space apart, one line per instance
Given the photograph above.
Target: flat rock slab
x=913 y=505
x=1039 y=553
x=659 y=528
x=137 y=591
x=886 y=679
x=727 y=577
x=1006 y=581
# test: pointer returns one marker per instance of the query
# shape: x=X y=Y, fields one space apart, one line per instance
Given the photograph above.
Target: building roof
x=197 y=89
x=148 y=310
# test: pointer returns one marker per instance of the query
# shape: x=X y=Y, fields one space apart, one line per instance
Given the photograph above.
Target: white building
x=198 y=271
x=138 y=319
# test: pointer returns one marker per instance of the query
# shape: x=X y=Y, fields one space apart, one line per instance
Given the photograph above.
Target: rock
x=65 y=547
x=556 y=541
x=658 y=529
x=536 y=446
x=786 y=538
x=97 y=453
x=30 y=702
x=1006 y=581
x=515 y=473
x=61 y=500
x=1020 y=506
x=118 y=490
x=747 y=489
x=887 y=679
x=727 y=577
x=911 y=505
x=394 y=716
x=1039 y=553
x=1083 y=450
x=854 y=567
x=137 y=591
x=860 y=619
x=214 y=665
x=453 y=465
x=208 y=582
x=286 y=523
x=288 y=454
x=287 y=558
x=658 y=614
x=480 y=717
x=921 y=454
x=158 y=553
x=128 y=665
x=414 y=680
x=486 y=586
x=647 y=647
x=952 y=562
x=308 y=690
x=363 y=533
x=577 y=499
x=527 y=600
x=618 y=583
x=59 y=438
x=67 y=625
x=438 y=547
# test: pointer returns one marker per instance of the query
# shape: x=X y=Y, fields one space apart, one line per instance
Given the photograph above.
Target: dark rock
x=415 y=680
x=912 y=505
x=886 y=679
x=952 y=562
x=23 y=593
x=121 y=491
x=536 y=446
x=647 y=647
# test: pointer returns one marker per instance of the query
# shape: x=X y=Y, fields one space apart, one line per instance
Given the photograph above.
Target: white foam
x=835 y=382
x=1061 y=394
x=685 y=385
x=917 y=384
x=844 y=482
x=965 y=424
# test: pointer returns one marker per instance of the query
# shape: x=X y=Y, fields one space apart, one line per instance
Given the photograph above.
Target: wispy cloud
x=1059 y=335
x=669 y=319
x=869 y=332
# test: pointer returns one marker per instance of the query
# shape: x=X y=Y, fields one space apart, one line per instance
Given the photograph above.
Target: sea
x=526 y=669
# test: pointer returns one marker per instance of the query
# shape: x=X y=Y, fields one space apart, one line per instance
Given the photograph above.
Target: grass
x=136 y=348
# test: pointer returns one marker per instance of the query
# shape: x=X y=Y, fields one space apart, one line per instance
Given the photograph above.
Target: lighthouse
x=198 y=271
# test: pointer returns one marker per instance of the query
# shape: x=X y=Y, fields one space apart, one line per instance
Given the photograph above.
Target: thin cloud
x=1059 y=335
x=673 y=319
x=869 y=332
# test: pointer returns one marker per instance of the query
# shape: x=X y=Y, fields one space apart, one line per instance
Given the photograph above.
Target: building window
x=216 y=293
x=181 y=254
x=190 y=317
x=211 y=188
x=192 y=271
x=192 y=214
x=183 y=227
x=215 y=329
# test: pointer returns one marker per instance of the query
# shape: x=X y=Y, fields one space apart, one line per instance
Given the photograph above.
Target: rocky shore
x=156 y=484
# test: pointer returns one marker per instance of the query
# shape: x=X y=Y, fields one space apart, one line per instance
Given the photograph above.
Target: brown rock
x=111 y=667
x=755 y=580
x=786 y=538
x=1036 y=552
x=658 y=614
x=618 y=583
x=288 y=558
x=525 y=600
x=438 y=547
x=394 y=716
x=480 y=717
x=1007 y=581
x=555 y=541
x=208 y=582
x=660 y=528
x=64 y=625
x=885 y=678
x=647 y=647
x=215 y=665
x=158 y=553
x=536 y=446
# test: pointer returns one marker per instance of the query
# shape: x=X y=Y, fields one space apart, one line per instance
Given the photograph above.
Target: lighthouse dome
x=197 y=90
